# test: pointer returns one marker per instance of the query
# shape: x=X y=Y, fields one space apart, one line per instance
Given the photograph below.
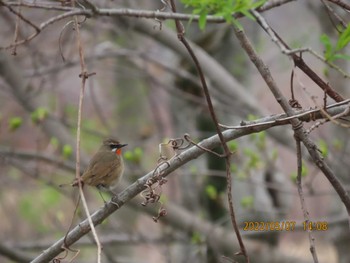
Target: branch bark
x=137 y=187
x=300 y=132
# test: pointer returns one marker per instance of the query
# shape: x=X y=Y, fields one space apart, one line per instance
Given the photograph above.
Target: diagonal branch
x=137 y=187
x=298 y=60
x=227 y=153
x=297 y=124
x=302 y=200
x=93 y=11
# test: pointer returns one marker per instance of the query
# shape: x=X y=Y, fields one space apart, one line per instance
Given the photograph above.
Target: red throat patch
x=118 y=151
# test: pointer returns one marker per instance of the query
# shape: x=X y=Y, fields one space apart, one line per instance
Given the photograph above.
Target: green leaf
x=322 y=145
x=134 y=156
x=202 y=20
x=247 y=201
x=224 y=8
x=340 y=56
x=252 y=117
x=67 y=151
x=39 y=115
x=237 y=24
x=138 y=152
x=304 y=172
x=325 y=40
x=343 y=39
x=15 y=123
x=248 y=14
x=211 y=192
x=128 y=155
x=257 y=4
x=196 y=238
x=254 y=158
x=233 y=145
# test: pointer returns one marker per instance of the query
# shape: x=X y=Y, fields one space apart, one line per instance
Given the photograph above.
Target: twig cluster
x=151 y=184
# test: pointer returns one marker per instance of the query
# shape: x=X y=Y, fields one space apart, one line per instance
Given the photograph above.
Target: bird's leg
x=102 y=187
x=104 y=201
x=113 y=194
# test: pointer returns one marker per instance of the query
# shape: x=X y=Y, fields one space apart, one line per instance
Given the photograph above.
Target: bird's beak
x=122 y=145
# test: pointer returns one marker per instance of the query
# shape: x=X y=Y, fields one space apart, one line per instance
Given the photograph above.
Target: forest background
x=263 y=84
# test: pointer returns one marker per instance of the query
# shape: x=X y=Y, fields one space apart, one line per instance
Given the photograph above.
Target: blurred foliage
x=304 y=172
x=197 y=238
x=14 y=123
x=211 y=192
x=323 y=147
x=332 y=51
x=233 y=145
x=134 y=156
x=224 y=8
x=67 y=151
x=247 y=201
x=39 y=115
x=254 y=160
x=33 y=204
x=260 y=139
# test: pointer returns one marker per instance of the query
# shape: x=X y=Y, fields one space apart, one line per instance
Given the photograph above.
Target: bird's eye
x=113 y=146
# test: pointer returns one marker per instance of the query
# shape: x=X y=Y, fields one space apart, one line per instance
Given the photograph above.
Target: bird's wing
x=100 y=169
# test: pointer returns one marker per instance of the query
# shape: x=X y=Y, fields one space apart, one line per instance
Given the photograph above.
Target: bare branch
x=341 y=4
x=14 y=255
x=181 y=36
x=302 y=200
x=84 y=76
x=137 y=187
x=297 y=125
x=93 y=11
x=298 y=61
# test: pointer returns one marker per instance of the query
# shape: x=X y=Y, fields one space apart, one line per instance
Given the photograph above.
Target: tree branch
x=297 y=125
x=137 y=187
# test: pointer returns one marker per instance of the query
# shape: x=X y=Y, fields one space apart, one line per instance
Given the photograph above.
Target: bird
x=105 y=168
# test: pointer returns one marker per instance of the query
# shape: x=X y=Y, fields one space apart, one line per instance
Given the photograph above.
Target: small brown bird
x=105 y=168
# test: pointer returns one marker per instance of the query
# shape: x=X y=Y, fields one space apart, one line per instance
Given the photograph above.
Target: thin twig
x=18 y=14
x=323 y=111
x=94 y=11
x=15 y=37
x=137 y=187
x=341 y=4
x=330 y=11
x=302 y=200
x=227 y=153
x=297 y=124
x=298 y=61
x=84 y=75
x=303 y=115
x=188 y=138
